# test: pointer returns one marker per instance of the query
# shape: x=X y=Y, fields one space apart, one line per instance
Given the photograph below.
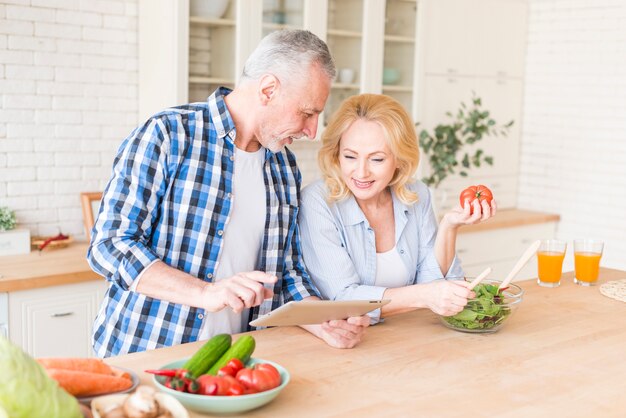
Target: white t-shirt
x=243 y=237
x=390 y=269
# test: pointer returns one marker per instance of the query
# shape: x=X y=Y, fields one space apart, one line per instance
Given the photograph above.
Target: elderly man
x=197 y=228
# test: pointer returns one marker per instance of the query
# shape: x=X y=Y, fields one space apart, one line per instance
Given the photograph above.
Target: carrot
x=92 y=365
x=79 y=383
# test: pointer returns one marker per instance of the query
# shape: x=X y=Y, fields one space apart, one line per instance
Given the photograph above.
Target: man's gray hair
x=288 y=52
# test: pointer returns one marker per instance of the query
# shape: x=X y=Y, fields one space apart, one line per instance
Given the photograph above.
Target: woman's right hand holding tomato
x=476 y=205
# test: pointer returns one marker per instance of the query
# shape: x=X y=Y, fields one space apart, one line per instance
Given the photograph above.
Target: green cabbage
x=26 y=391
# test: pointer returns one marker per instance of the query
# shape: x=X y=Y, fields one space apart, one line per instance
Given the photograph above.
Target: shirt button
x=229 y=195
x=401 y=251
x=220 y=232
x=200 y=316
x=232 y=158
x=209 y=276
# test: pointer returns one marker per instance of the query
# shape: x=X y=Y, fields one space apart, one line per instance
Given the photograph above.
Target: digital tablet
x=316 y=312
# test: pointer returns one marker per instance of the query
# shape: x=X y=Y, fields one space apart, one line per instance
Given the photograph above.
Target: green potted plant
x=12 y=241
x=446 y=146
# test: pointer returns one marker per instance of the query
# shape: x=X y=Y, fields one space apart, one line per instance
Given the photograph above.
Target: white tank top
x=390 y=269
x=243 y=237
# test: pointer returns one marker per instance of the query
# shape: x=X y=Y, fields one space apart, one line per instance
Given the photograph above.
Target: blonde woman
x=368 y=229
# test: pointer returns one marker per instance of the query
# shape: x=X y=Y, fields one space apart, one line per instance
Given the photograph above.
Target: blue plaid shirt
x=169 y=199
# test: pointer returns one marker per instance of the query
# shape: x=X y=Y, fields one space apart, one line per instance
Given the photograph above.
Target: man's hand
x=241 y=291
x=345 y=333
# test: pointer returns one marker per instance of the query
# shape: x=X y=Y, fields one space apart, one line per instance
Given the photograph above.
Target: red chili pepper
x=168 y=383
x=49 y=240
x=184 y=374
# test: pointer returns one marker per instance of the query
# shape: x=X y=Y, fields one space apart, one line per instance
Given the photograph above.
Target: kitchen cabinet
x=195 y=54
x=55 y=321
x=475 y=47
x=474 y=37
x=49 y=300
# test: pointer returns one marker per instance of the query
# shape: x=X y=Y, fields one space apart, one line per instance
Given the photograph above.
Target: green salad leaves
x=483 y=312
x=26 y=391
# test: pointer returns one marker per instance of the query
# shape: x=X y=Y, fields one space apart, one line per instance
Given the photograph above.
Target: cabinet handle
x=451 y=80
x=461 y=251
x=61 y=314
x=452 y=71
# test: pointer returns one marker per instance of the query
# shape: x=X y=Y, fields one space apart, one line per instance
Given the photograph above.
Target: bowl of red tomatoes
x=243 y=388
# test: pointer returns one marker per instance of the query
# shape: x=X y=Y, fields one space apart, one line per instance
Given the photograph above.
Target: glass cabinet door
x=282 y=14
x=344 y=39
x=399 y=51
x=211 y=46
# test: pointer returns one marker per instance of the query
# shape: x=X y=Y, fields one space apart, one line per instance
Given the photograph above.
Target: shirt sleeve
x=119 y=248
x=428 y=268
x=297 y=283
x=326 y=258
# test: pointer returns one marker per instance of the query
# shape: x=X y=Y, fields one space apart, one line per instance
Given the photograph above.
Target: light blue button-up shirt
x=339 y=246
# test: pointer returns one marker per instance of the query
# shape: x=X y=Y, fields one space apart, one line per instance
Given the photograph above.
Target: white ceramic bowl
x=214 y=9
x=224 y=404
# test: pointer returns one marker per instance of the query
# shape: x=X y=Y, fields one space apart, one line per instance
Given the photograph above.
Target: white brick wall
x=68 y=96
x=574 y=134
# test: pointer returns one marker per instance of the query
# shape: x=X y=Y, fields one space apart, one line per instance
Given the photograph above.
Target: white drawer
x=501 y=244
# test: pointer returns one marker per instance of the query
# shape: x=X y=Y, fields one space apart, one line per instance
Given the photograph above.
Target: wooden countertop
x=46 y=268
x=561 y=354
x=507 y=218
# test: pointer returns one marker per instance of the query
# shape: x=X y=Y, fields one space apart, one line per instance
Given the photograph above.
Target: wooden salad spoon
x=479 y=278
x=530 y=251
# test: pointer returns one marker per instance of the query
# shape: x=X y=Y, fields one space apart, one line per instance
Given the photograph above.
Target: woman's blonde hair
x=399 y=134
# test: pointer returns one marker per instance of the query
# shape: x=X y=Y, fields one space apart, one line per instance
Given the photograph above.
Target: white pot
x=208 y=8
x=15 y=241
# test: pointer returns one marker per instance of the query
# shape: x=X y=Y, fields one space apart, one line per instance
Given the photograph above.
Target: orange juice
x=587 y=266
x=549 y=265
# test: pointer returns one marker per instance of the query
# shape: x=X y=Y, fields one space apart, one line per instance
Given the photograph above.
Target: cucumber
x=241 y=349
x=208 y=354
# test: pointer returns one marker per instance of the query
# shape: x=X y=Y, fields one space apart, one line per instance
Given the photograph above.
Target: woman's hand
x=460 y=216
x=345 y=333
x=446 y=297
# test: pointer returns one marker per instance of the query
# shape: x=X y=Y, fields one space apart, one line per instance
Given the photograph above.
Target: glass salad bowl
x=488 y=311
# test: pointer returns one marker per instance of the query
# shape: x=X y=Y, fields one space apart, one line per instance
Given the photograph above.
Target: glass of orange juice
x=550 y=257
x=587 y=254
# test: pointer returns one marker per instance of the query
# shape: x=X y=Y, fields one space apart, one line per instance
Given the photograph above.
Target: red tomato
x=236 y=364
x=220 y=385
x=472 y=193
x=213 y=385
x=235 y=387
x=227 y=371
x=261 y=378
